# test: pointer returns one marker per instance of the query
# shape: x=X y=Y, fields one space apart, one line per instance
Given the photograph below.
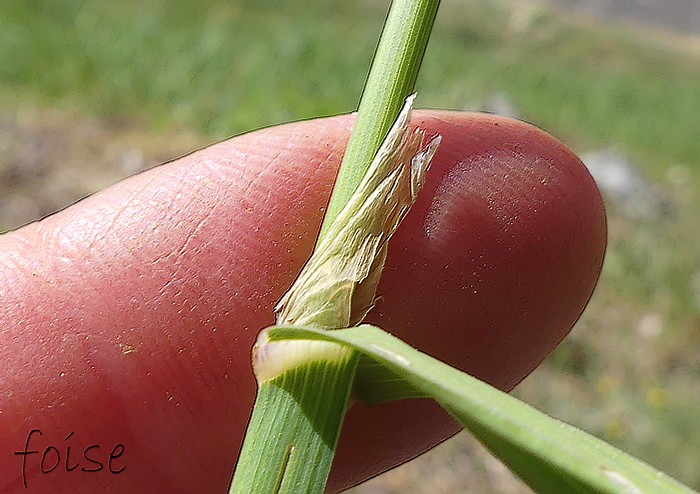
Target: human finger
x=127 y=319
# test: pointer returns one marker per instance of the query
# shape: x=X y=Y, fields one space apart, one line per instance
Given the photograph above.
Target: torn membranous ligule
x=337 y=287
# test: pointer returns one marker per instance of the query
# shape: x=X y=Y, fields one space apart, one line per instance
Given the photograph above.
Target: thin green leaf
x=549 y=455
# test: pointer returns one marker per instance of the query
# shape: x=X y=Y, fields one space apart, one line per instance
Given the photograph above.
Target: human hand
x=126 y=320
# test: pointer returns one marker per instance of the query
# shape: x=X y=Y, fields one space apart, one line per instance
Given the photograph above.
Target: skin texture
x=128 y=318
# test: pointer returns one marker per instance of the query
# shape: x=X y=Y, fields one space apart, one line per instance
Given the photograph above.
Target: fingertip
x=166 y=278
x=488 y=272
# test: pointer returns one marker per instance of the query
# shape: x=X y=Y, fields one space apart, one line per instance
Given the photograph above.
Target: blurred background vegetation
x=93 y=91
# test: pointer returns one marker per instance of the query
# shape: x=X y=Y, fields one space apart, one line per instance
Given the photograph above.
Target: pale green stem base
x=294 y=429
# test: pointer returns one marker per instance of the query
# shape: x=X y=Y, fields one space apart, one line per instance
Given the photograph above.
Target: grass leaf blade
x=549 y=455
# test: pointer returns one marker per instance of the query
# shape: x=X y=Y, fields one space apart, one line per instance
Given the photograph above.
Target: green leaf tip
x=337 y=287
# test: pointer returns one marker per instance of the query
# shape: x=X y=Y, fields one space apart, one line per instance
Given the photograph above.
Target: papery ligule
x=337 y=287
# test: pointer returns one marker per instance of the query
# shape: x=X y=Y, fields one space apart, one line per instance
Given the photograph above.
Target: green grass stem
x=292 y=434
x=298 y=415
x=391 y=79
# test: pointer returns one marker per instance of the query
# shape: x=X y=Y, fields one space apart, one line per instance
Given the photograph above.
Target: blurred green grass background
x=162 y=77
